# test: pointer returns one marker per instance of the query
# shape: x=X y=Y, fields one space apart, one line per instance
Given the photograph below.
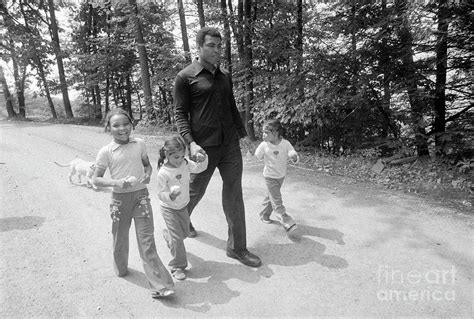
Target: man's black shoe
x=245 y=257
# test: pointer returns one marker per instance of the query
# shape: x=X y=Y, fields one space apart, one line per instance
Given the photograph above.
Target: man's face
x=210 y=52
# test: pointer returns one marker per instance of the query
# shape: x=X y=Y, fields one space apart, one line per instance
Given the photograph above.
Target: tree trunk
x=248 y=55
x=439 y=126
x=20 y=91
x=40 y=68
x=227 y=42
x=238 y=28
x=384 y=61
x=59 y=59
x=299 y=48
x=184 y=31
x=142 y=55
x=128 y=95
x=6 y=93
x=202 y=20
x=107 y=68
x=98 y=105
x=411 y=82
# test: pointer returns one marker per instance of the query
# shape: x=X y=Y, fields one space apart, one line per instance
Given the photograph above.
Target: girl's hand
x=200 y=157
x=294 y=157
x=175 y=191
x=196 y=152
x=126 y=182
x=145 y=178
x=122 y=183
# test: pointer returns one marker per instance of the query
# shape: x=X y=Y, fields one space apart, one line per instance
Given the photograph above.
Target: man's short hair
x=213 y=32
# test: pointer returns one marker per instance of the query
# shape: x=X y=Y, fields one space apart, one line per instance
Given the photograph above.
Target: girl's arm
x=147 y=170
x=260 y=151
x=164 y=192
x=294 y=157
x=100 y=180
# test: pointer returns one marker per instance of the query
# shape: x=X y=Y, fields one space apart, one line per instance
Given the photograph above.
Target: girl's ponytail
x=162 y=157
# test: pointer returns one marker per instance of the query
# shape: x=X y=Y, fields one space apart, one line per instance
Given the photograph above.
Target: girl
x=173 y=192
x=127 y=160
x=275 y=150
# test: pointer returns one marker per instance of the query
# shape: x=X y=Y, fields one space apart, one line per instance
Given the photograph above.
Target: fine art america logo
x=431 y=285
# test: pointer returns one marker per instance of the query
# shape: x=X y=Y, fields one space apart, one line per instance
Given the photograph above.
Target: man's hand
x=248 y=145
x=197 y=153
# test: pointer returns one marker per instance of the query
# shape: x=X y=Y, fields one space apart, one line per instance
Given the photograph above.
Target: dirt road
x=360 y=251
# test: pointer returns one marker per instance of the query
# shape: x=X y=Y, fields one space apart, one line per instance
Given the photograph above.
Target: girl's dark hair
x=173 y=144
x=201 y=34
x=275 y=126
x=113 y=112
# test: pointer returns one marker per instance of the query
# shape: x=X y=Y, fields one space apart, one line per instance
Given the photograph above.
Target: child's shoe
x=288 y=222
x=178 y=273
x=290 y=228
x=265 y=219
x=162 y=293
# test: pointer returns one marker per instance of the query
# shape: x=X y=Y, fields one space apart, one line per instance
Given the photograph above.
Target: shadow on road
x=20 y=223
x=207 y=278
x=137 y=278
x=302 y=250
x=206 y=284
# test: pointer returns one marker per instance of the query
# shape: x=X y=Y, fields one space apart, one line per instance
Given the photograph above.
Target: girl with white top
x=173 y=192
x=275 y=151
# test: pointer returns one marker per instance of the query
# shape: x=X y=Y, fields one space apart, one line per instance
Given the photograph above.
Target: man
x=207 y=118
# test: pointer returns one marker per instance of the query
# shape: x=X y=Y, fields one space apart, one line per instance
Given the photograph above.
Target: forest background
x=377 y=91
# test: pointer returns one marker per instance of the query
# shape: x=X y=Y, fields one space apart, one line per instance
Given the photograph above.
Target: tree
x=439 y=125
x=6 y=93
x=200 y=9
x=411 y=76
x=227 y=38
x=59 y=58
x=248 y=65
x=142 y=55
x=184 y=31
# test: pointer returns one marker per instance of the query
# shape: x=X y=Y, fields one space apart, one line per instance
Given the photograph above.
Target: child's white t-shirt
x=275 y=157
x=177 y=176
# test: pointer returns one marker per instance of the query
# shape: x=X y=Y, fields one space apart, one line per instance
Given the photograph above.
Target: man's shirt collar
x=198 y=68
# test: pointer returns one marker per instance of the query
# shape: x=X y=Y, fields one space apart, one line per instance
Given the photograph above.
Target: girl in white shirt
x=275 y=151
x=173 y=193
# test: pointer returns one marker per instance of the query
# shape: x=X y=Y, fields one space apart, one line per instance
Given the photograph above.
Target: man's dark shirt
x=205 y=107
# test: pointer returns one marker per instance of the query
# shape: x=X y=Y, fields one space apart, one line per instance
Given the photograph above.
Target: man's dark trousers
x=228 y=159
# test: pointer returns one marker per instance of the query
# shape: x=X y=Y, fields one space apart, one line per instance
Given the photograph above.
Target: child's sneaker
x=162 y=293
x=178 y=274
x=289 y=228
x=288 y=222
x=265 y=218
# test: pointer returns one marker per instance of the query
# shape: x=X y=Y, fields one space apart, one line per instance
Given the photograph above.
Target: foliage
x=347 y=89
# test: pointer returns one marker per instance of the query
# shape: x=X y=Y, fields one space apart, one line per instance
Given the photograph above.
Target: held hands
x=197 y=153
x=249 y=145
